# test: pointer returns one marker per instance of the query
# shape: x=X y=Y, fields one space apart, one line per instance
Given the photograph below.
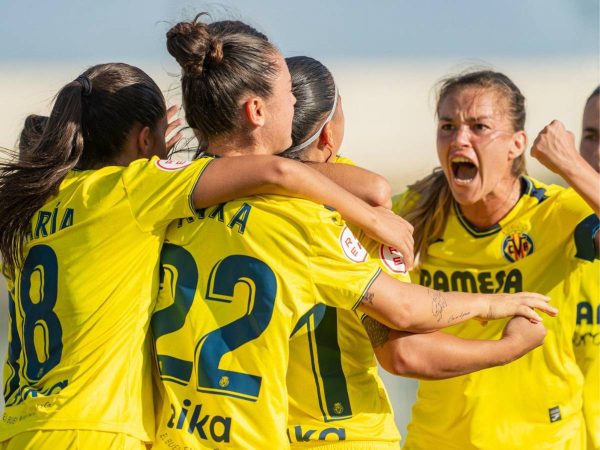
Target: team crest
x=171 y=164
x=392 y=259
x=351 y=246
x=517 y=246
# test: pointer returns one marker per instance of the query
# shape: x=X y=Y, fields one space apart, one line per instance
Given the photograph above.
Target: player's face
x=280 y=110
x=476 y=143
x=590 y=141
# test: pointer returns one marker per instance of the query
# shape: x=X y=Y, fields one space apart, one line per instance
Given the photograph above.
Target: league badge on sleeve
x=392 y=259
x=351 y=246
x=170 y=165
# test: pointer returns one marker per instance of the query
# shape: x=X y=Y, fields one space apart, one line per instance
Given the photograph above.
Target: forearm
x=411 y=307
x=439 y=355
x=585 y=181
x=240 y=176
x=366 y=185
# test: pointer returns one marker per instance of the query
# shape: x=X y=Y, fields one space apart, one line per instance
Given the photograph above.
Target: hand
x=499 y=306
x=173 y=123
x=555 y=148
x=392 y=230
x=523 y=335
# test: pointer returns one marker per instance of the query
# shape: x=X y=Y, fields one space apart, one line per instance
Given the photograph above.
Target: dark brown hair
x=32 y=131
x=430 y=199
x=314 y=89
x=87 y=128
x=220 y=62
x=593 y=94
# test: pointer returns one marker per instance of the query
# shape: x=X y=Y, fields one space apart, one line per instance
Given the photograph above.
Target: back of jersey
x=234 y=281
x=80 y=305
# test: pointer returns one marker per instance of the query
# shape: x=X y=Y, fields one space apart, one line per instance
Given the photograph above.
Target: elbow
x=400 y=360
x=380 y=193
x=279 y=172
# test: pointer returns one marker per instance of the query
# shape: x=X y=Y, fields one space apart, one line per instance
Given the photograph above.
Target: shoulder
x=404 y=202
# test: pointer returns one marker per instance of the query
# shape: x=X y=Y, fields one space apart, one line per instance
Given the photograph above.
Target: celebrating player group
x=242 y=299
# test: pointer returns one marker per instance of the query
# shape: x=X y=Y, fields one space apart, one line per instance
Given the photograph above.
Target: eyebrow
x=592 y=129
x=469 y=119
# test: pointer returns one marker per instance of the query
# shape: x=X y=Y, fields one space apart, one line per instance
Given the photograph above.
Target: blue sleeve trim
x=585 y=233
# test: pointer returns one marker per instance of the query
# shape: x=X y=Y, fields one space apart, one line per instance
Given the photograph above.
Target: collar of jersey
x=528 y=190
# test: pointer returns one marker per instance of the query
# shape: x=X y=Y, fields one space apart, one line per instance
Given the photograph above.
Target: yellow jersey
x=235 y=280
x=586 y=345
x=79 y=307
x=335 y=392
x=536 y=401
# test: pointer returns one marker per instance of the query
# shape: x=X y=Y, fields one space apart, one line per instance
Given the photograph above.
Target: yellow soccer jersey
x=79 y=308
x=335 y=393
x=586 y=344
x=536 y=401
x=235 y=280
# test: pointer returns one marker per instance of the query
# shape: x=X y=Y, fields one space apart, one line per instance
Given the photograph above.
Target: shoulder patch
x=352 y=247
x=170 y=165
x=392 y=259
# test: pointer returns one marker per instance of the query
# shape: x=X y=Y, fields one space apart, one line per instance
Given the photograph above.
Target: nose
x=462 y=136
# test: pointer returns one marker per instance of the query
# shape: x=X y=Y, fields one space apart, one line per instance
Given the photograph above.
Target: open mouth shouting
x=464 y=170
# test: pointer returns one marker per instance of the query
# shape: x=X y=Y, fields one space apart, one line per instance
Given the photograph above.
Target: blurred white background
x=386 y=57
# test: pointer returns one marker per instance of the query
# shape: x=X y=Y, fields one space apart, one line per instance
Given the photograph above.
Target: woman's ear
x=254 y=110
x=326 y=139
x=145 y=142
x=518 y=145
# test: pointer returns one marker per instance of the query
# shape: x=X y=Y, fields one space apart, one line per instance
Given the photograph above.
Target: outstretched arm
x=438 y=355
x=240 y=176
x=410 y=307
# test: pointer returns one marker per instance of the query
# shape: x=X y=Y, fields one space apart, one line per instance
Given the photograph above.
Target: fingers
x=173 y=123
x=529 y=313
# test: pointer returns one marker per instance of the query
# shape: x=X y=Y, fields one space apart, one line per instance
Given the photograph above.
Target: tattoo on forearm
x=377 y=332
x=367 y=298
x=458 y=317
x=438 y=304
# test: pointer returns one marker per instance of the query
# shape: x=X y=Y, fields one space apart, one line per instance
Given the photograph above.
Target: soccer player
x=83 y=212
x=590 y=133
x=237 y=277
x=335 y=393
x=482 y=225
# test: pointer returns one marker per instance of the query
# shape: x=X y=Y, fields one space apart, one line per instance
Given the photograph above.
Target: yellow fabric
x=79 y=309
x=335 y=393
x=235 y=283
x=586 y=345
x=72 y=440
x=536 y=401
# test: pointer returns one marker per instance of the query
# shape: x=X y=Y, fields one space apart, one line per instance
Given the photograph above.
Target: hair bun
x=190 y=43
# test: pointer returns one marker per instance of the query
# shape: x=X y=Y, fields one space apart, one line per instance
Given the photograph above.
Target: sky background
x=64 y=30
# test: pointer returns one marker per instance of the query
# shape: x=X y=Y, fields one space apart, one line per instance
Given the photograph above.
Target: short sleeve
x=339 y=265
x=574 y=214
x=160 y=191
x=403 y=203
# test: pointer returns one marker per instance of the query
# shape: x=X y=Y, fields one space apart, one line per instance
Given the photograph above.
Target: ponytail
x=430 y=199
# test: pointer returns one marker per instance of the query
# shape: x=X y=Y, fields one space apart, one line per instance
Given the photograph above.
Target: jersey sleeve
x=160 y=191
x=586 y=346
x=575 y=216
x=404 y=202
x=340 y=268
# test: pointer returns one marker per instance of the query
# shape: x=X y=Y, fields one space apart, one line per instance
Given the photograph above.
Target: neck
x=494 y=206
x=235 y=145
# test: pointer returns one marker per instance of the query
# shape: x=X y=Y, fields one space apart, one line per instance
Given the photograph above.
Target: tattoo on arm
x=377 y=332
x=438 y=304
x=458 y=317
x=367 y=298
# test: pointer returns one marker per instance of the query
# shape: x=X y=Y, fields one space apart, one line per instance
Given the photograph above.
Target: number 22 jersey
x=235 y=280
